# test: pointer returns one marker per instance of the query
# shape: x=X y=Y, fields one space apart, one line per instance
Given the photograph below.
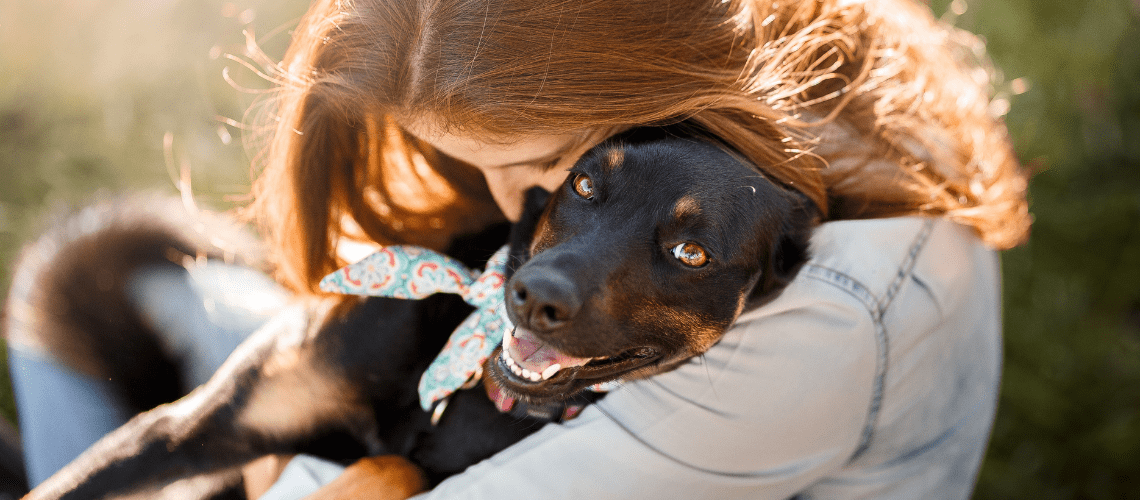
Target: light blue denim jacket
x=874 y=375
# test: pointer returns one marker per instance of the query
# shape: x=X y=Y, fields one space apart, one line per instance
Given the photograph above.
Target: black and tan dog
x=651 y=249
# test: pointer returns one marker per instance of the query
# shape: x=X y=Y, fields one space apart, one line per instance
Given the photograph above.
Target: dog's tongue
x=537 y=356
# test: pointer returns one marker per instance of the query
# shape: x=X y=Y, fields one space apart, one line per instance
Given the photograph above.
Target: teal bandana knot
x=409 y=272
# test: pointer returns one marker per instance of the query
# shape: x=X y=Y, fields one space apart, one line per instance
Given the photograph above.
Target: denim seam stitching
x=852 y=286
x=906 y=268
x=877 y=310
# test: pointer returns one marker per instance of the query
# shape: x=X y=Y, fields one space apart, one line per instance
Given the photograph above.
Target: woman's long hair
x=871 y=109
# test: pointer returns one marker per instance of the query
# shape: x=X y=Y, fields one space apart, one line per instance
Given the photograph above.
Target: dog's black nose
x=543 y=300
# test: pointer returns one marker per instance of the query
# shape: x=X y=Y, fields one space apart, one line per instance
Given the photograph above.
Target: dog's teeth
x=523 y=372
x=550 y=371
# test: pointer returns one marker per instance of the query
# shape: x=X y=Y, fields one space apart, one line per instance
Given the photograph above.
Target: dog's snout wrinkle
x=545 y=300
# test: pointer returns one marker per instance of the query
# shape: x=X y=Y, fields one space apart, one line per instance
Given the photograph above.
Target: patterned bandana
x=409 y=272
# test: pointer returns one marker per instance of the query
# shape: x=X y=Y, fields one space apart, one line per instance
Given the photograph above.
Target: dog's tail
x=70 y=294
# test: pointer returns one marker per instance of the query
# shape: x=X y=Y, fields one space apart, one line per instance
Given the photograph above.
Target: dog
x=657 y=241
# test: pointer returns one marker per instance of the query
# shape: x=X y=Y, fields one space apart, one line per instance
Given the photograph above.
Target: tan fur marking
x=282 y=362
x=387 y=477
x=294 y=396
x=686 y=206
x=614 y=159
x=543 y=236
x=699 y=334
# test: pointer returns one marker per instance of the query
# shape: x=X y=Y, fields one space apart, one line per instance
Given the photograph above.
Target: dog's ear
x=534 y=204
x=789 y=252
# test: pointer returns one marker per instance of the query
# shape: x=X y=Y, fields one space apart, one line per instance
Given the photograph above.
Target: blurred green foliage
x=1069 y=417
x=89 y=90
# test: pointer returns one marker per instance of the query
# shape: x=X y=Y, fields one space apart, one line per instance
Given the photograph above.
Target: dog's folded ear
x=789 y=252
x=534 y=204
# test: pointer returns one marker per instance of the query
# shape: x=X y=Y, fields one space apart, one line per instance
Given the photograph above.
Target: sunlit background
x=98 y=97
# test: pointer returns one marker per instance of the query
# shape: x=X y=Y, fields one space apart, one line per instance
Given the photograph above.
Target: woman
x=873 y=375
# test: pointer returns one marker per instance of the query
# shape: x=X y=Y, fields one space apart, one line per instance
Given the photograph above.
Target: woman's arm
x=780 y=402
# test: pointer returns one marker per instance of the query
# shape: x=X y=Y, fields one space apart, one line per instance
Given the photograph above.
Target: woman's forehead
x=486 y=153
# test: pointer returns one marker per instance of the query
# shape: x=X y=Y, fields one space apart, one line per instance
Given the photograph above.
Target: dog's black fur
x=604 y=281
x=593 y=277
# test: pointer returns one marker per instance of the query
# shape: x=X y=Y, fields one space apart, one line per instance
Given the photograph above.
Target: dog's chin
x=566 y=382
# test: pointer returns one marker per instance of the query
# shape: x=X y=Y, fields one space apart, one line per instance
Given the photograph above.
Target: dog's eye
x=690 y=254
x=584 y=186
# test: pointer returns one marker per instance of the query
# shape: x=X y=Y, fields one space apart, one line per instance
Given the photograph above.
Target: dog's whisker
x=708 y=374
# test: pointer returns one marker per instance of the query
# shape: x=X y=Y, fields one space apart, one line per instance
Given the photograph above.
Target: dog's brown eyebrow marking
x=685 y=207
x=614 y=159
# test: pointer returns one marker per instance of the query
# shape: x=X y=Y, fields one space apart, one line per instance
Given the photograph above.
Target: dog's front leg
x=388 y=477
x=274 y=389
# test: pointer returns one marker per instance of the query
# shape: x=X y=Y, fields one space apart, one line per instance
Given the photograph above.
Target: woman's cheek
x=508 y=185
x=551 y=180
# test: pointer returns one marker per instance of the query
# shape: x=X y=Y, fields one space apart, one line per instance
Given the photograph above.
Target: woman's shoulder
x=871 y=259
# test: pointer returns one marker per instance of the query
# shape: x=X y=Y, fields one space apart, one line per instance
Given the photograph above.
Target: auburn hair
x=869 y=108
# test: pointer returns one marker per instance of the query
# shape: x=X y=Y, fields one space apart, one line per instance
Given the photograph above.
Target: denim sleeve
x=781 y=401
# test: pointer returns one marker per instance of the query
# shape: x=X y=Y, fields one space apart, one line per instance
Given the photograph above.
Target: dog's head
x=645 y=256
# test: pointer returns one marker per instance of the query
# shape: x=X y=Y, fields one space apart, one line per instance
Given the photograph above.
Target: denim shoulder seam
x=906 y=268
x=876 y=308
x=844 y=282
x=856 y=289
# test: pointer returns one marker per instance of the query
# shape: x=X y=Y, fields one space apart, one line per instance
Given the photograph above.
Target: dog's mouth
x=536 y=369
